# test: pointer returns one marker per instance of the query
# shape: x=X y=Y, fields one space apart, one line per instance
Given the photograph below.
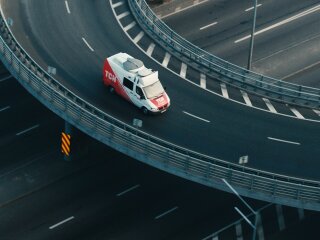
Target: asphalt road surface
x=286 y=45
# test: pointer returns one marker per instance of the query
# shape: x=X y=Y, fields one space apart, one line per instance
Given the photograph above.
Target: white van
x=129 y=78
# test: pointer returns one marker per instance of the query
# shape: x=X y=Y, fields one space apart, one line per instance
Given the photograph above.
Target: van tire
x=145 y=110
x=111 y=89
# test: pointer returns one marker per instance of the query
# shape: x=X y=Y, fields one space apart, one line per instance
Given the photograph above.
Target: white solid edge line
x=67 y=7
x=128 y=190
x=288 y=20
x=62 y=222
x=284 y=141
x=85 y=41
x=166 y=212
x=191 y=115
x=197 y=85
x=251 y=8
x=27 y=130
x=5 y=108
x=209 y=25
x=183 y=9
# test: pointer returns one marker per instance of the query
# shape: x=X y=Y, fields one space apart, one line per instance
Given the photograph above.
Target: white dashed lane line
x=284 y=141
x=67 y=6
x=27 y=130
x=269 y=105
x=5 y=78
x=5 y=108
x=166 y=59
x=177 y=10
x=194 y=116
x=166 y=213
x=251 y=8
x=285 y=21
x=62 y=222
x=150 y=49
x=129 y=26
x=209 y=25
x=85 y=41
x=128 y=190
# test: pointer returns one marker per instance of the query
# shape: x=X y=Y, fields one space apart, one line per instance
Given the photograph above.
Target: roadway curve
x=53 y=37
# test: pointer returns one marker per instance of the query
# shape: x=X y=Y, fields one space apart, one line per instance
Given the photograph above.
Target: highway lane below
x=289 y=45
x=55 y=38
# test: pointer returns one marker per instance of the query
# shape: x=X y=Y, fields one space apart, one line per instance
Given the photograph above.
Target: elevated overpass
x=75 y=39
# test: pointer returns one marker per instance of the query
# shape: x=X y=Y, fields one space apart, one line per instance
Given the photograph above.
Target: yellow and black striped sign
x=65 y=143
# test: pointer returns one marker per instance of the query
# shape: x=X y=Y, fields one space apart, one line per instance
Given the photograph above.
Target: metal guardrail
x=146 y=148
x=219 y=68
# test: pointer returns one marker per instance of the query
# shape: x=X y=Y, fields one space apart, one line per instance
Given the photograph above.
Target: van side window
x=127 y=83
x=139 y=92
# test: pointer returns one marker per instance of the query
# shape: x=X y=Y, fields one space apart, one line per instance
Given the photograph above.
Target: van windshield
x=153 y=90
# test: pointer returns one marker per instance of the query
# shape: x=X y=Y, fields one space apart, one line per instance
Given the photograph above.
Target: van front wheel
x=145 y=110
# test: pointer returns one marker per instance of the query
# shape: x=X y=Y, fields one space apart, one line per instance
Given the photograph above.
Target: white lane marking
x=224 y=90
x=281 y=222
x=128 y=190
x=301 y=213
x=67 y=6
x=138 y=37
x=62 y=222
x=269 y=105
x=131 y=25
x=191 y=115
x=301 y=70
x=5 y=108
x=85 y=41
x=296 y=112
x=203 y=81
x=177 y=9
x=165 y=213
x=215 y=238
x=183 y=71
x=317 y=112
x=251 y=8
x=150 y=49
x=183 y=9
x=117 y=4
x=27 y=130
x=284 y=141
x=246 y=98
x=122 y=15
x=285 y=21
x=209 y=25
x=166 y=59
x=239 y=231
x=5 y=78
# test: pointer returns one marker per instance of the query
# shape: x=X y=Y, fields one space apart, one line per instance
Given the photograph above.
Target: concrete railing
x=146 y=148
x=218 y=68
